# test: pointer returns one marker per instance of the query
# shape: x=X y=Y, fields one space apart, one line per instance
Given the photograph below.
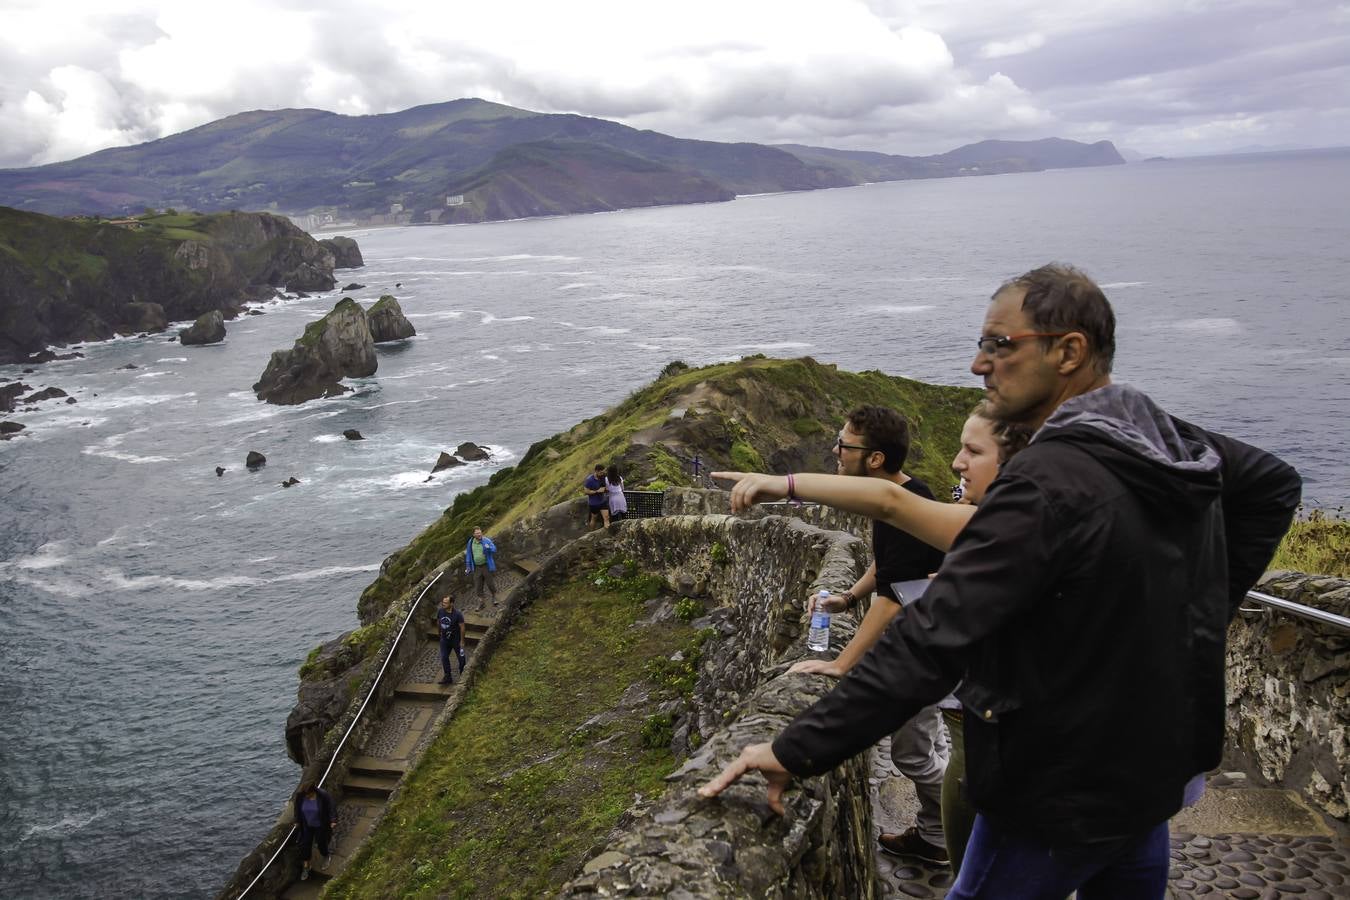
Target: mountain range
x=470 y=160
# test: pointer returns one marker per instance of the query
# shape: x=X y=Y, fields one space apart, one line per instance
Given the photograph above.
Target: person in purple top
x=316 y=817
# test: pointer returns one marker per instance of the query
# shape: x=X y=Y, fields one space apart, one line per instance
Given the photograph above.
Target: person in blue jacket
x=480 y=561
x=316 y=817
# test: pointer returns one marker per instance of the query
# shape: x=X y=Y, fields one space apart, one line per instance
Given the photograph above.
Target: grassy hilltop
x=758 y=414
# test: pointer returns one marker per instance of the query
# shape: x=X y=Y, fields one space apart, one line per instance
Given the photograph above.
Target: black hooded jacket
x=1084 y=609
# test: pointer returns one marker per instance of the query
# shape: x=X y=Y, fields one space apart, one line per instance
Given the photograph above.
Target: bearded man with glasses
x=874 y=443
x=1083 y=608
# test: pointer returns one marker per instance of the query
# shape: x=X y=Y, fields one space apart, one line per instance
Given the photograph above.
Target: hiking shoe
x=446 y=680
x=304 y=874
x=910 y=843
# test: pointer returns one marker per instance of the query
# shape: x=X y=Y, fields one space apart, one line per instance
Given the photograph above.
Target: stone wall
x=758 y=574
x=1289 y=692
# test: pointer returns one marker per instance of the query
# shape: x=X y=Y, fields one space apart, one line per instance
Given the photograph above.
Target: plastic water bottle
x=818 y=638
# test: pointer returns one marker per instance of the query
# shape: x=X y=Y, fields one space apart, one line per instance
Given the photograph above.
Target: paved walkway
x=1239 y=841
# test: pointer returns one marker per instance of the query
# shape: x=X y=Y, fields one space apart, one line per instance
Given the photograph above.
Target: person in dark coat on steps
x=316 y=817
x=450 y=623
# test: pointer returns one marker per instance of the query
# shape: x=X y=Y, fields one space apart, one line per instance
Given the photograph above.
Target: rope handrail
x=1296 y=609
x=337 y=750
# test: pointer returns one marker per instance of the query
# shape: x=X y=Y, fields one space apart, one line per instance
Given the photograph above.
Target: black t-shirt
x=900 y=556
x=449 y=621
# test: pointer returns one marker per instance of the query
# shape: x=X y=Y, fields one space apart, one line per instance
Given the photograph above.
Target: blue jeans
x=1002 y=864
x=446 y=648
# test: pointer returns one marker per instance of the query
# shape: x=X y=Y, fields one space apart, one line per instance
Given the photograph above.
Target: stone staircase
x=406 y=727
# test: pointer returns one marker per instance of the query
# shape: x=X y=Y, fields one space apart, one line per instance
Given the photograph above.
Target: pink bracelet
x=792 y=491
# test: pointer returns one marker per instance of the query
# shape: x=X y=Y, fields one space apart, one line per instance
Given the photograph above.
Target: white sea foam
x=153 y=374
x=514 y=257
x=492 y=356
x=326 y=439
x=121 y=581
x=574 y=285
x=66 y=825
x=596 y=329
x=48 y=556
x=448 y=314
x=781 y=345
x=1122 y=284
x=125 y=401
x=108 y=448
x=489 y=318
x=903 y=309
x=327 y=572
x=642 y=346
x=1215 y=325
x=172 y=359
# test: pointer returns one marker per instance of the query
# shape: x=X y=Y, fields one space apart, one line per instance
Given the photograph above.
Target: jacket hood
x=1126 y=431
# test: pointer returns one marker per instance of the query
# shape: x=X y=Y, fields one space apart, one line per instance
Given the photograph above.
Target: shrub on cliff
x=1318 y=544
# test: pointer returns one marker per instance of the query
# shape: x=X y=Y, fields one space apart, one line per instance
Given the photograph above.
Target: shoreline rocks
x=10 y=393
x=50 y=393
x=471 y=452
x=445 y=461
x=346 y=253
x=208 y=329
x=254 y=460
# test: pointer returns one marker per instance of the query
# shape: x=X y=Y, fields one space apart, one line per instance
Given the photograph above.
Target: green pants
x=958 y=816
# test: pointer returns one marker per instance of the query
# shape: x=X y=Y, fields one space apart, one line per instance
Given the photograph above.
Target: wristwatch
x=849 y=600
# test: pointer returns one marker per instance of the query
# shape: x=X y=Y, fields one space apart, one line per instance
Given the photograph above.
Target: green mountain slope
x=463 y=161
x=983 y=158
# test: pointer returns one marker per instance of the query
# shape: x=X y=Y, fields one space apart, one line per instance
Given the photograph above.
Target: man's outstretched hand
x=818 y=667
x=756 y=757
x=750 y=488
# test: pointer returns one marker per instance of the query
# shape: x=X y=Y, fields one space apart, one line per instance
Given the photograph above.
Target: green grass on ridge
x=513 y=795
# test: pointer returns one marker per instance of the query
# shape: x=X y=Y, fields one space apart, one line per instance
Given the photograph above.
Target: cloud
x=1014 y=47
x=904 y=76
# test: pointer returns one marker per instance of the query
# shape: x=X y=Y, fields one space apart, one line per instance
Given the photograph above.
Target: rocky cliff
x=78 y=280
x=337 y=346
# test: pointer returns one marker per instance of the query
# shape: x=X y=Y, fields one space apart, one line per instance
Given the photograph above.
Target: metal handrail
x=1296 y=609
x=333 y=759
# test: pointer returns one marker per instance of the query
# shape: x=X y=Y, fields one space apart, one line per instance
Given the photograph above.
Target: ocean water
x=153 y=615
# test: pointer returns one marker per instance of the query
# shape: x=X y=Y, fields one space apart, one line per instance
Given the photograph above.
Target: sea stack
x=337 y=346
x=387 y=322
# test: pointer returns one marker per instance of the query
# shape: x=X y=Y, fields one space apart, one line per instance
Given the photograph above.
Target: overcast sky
x=902 y=76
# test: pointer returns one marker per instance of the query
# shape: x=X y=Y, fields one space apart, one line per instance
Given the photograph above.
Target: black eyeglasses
x=840 y=445
x=988 y=345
